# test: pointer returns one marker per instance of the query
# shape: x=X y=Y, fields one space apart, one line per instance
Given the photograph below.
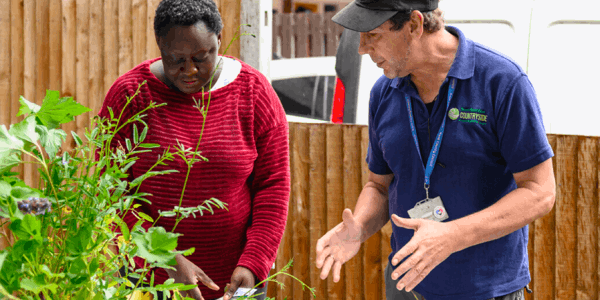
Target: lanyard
x=438 y=140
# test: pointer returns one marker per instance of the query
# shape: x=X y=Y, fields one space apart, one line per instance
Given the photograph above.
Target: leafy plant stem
x=204 y=112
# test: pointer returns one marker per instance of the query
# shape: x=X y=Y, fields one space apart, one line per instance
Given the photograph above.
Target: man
x=458 y=159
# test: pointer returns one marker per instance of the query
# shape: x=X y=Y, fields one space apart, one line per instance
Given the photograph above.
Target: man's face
x=391 y=50
x=189 y=57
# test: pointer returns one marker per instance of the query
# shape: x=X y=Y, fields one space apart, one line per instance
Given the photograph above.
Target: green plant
x=64 y=252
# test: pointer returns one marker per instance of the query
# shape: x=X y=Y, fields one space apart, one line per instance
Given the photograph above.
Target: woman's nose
x=190 y=68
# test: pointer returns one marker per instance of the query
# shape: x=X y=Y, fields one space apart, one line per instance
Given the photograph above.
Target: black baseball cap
x=366 y=15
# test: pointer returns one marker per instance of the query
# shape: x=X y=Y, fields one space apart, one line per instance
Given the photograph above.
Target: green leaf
x=9 y=144
x=27 y=228
x=8 y=162
x=143 y=135
x=56 y=111
x=27 y=107
x=3 y=256
x=149 y=146
x=94 y=264
x=76 y=138
x=5 y=188
x=145 y=217
x=51 y=139
x=128 y=145
x=123 y=226
x=25 y=130
x=136 y=137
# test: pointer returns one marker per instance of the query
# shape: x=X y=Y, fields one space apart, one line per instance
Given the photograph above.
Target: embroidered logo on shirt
x=471 y=115
x=453 y=114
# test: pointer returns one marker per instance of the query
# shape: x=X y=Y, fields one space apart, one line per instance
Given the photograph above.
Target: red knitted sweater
x=246 y=142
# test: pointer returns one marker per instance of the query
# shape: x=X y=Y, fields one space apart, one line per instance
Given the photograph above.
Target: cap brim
x=360 y=19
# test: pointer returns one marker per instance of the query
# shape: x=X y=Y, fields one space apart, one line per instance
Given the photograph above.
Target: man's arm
x=533 y=198
x=372 y=206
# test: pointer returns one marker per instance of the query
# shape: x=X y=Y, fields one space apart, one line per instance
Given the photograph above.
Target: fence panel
x=305 y=34
x=563 y=247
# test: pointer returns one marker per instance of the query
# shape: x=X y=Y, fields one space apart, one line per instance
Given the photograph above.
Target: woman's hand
x=241 y=277
x=188 y=273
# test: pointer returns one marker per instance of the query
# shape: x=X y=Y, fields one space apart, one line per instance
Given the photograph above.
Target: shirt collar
x=463 y=66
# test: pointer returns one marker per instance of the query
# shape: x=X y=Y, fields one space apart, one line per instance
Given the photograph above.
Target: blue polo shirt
x=495 y=129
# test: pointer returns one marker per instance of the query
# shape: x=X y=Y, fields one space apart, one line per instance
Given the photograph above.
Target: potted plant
x=64 y=229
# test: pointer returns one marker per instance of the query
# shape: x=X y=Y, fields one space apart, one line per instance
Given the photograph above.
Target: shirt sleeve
x=270 y=184
x=520 y=127
x=375 y=159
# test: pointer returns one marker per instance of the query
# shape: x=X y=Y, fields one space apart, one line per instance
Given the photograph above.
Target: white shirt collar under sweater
x=231 y=69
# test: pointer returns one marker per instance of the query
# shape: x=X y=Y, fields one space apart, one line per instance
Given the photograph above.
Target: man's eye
x=196 y=59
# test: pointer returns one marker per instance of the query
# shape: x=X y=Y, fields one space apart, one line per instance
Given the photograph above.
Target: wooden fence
x=329 y=170
x=305 y=34
x=78 y=47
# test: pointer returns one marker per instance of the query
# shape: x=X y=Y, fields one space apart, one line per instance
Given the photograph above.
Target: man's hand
x=188 y=273
x=432 y=243
x=241 y=277
x=339 y=245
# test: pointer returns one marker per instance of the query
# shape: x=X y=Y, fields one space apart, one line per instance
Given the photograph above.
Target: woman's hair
x=171 y=13
x=432 y=20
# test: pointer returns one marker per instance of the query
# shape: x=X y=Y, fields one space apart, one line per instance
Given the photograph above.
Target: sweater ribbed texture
x=245 y=140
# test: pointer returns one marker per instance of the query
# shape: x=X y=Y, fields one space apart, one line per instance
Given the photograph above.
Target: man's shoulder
x=494 y=62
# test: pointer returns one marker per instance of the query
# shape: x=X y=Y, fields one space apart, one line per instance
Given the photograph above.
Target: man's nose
x=363 y=47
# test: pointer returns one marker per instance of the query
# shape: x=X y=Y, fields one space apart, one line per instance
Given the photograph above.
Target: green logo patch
x=472 y=115
x=453 y=114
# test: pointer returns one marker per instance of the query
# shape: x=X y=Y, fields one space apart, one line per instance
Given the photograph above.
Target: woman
x=245 y=139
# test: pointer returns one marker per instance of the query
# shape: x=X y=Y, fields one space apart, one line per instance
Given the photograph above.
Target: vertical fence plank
x=276 y=32
x=69 y=50
x=29 y=83
x=566 y=213
x=230 y=13
x=386 y=249
x=287 y=35
x=587 y=219
x=335 y=199
x=17 y=59
x=372 y=258
x=139 y=13
x=96 y=79
x=317 y=35
x=125 y=39
x=5 y=62
x=331 y=35
x=598 y=219
x=531 y=256
x=544 y=259
x=300 y=200
x=82 y=63
x=17 y=64
x=352 y=187
x=42 y=46
x=318 y=204
x=302 y=30
x=42 y=64
x=152 y=50
x=55 y=45
x=111 y=44
x=285 y=252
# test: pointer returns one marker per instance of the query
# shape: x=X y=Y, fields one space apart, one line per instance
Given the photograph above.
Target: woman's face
x=189 y=57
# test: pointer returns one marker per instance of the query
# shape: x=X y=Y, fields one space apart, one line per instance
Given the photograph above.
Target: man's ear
x=416 y=24
x=219 y=40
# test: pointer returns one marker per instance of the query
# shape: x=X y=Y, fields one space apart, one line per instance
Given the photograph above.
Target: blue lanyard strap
x=438 y=140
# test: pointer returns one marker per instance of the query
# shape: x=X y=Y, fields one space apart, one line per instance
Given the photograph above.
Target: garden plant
x=63 y=229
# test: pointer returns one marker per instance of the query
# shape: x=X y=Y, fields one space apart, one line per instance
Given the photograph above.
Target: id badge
x=430 y=209
x=240 y=292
